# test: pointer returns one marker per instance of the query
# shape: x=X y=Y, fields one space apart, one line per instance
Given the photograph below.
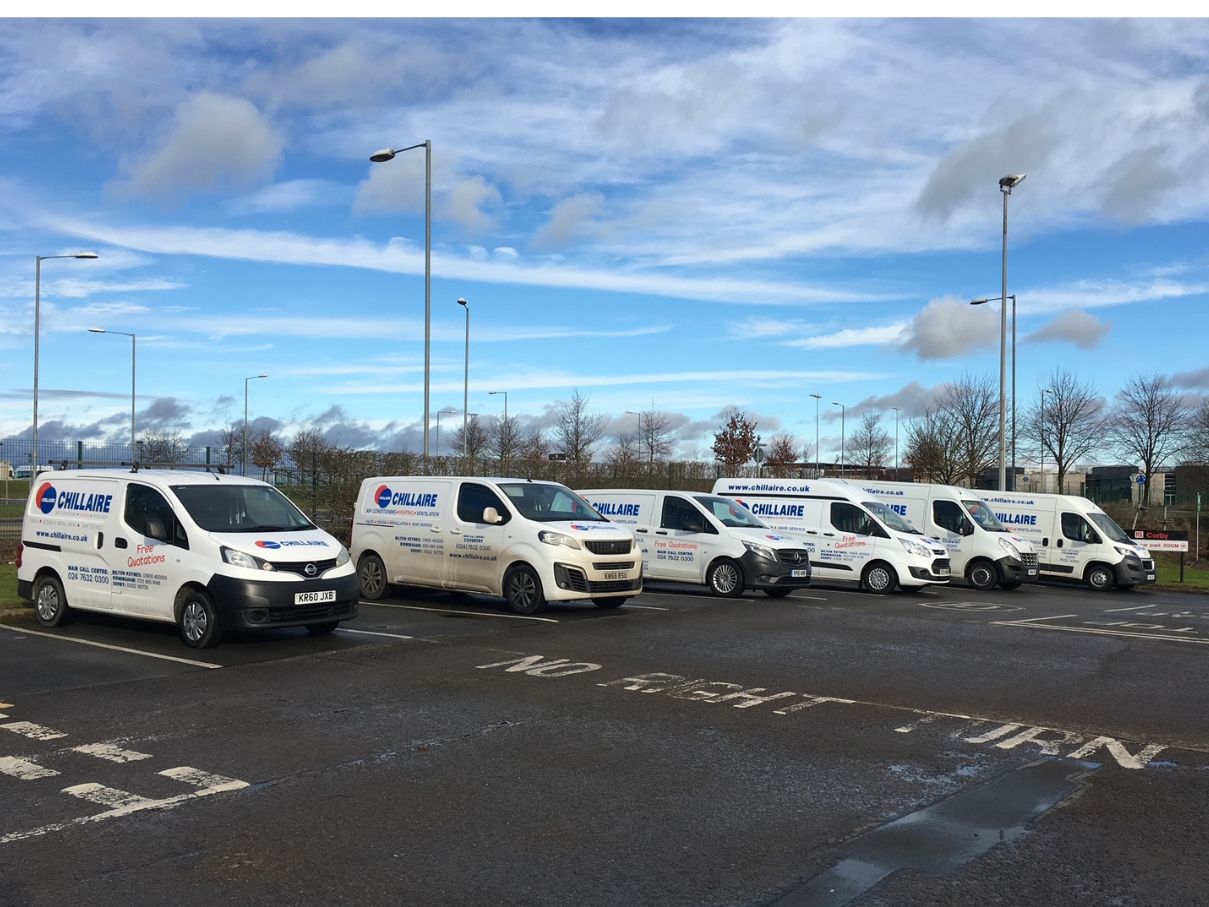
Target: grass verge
x=1196 y=578
x=9 y=601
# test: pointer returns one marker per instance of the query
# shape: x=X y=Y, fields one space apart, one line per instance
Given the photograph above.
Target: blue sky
x=681 y=214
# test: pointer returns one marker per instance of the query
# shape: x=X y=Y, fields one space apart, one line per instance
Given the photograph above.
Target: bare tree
x=1198 y=447
x=231 y=439
x=576 y=431
x=971 y=406
x=533 y=452
x=1070 y=425
x=163 y=448
x=781 y=455
x=1149 y=422
x=308 y=450
x=475 y=441
x=932 y=449
x=623 y=459
x=870 y=444
x=735 y=440
x=654 y=435
x=265 y=451
x=504 y=441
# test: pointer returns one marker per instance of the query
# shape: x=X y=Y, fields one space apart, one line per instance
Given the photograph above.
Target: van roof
x=492 y=479
x=158 y=477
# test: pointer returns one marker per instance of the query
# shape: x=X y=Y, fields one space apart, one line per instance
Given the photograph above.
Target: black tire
x=879 y=578
x=725 y=578
x=776 y=592
x=1099 y=578
x=372 y=573
x=609 y=603
x=982 y=575
x=199 y=624
x=1012 y=584
x=523 y=591
x=322 y=629
x=50 y=602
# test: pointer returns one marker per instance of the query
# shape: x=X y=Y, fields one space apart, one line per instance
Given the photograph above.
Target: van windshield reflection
x=241 y=508
x=549 y=503
x=891 y=518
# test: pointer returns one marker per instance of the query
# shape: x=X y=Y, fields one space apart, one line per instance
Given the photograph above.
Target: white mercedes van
x=530 y=542
x=204 y=551
x=981 y=548
x=1077 y=540
x=851 y=536
x=702 y=538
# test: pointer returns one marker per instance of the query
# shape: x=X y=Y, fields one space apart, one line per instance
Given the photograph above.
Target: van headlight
x=557 y=538
x=241 y=559
x=343 y=557
x=1010 y=549
x=1128 y=552
x=915 y=548
x=760 y=550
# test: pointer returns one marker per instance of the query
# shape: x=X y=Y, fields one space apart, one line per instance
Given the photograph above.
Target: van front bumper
x=939 y=571
x=1015 y=570
x=1133 y=571
x=251 y=605
x=761 y=573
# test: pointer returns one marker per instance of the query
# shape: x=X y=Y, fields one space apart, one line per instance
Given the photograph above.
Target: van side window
x=1075 y=528
x=948 y=515
x=473 y=499
x=149 y=514
x=851 y=519
x=679 y=514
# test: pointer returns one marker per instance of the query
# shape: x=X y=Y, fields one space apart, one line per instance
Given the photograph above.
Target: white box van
x=851 y=536
x=1076 y=539
x=981 y=548
x=694 y=537
x=527 y=541
x=204 y=551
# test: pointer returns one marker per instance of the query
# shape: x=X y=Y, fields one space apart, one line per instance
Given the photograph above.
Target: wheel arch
x=179 y=602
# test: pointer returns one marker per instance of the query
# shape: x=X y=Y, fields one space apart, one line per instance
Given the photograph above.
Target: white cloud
x=569 y=220
x=866 y=336
x=950 y=327
x=290 y=196
x=465 y=201
x=1079 y=328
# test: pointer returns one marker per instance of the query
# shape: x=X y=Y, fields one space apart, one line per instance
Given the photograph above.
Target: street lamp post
x=379 y=157
x=466 y=381
x=133 y=358
x=1001 y=365
x=243 y=453
x=818 y=460
x=896 y=443
x=447 y=410
x=505 y=427
x=38 y=259
x=1006 y=185
x=843 y=411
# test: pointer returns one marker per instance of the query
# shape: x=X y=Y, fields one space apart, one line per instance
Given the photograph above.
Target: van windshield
x=983 y=516
x=1106 y=525
x=729 y=513
x=549 y=503
x=241 y=508
x=891 y=518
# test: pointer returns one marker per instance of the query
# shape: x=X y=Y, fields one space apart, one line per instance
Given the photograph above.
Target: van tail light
x=20 y=551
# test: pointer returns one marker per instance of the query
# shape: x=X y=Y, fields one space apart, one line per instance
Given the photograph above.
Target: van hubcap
x=194 y=620
x=725 y=578
x=879 y=579
x=48 y=602
x=371 y=577
x=523 y=589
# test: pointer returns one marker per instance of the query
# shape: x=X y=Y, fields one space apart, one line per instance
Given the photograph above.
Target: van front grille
x=299 y=567
x=613 y=565
x=610 y=547
x=794 y=557
x=1029 y=558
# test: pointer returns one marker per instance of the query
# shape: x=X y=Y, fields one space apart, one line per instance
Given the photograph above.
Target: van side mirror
x=1094 y=539
x=156 y=529
x=492 y=516
x=967 y=528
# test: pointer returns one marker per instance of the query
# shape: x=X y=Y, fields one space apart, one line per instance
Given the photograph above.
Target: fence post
x=207 y=454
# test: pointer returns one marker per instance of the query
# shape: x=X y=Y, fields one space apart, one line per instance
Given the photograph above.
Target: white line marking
x=23 y=769
x=813 y=598
x=32 y=731
x=548 y=620
x=1135 y=608
x=6 y=705
x=101 y=645
x=208 y=782
x=109 y=752
x=630 y=607
x=109 y=796
x=1020 y=623
x=373 y=633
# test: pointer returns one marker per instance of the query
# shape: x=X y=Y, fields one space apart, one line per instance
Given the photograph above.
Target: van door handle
x=455 y=531
x=434 y=528
x=1059 y=543
x=1045 y=543
x=660 y=532
x=100 y=540
x=643 y=531
x=119 y=542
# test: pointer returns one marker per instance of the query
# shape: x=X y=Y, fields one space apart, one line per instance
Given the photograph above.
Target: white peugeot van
x=207 y=552
x=530 y=542
x=851 y=536
x=703 y=538
x=981 y=548
x=1077 y=540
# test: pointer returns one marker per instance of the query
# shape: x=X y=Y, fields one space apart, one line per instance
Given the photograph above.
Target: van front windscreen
x=983 y=516
x=891 y=518
x=241 y=508
x=1106 y=525
x=729 y=513
x=549 y=503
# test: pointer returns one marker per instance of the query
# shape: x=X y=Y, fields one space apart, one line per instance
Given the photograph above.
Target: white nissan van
x=851 y=536
x=693 y=537
x=204 y=551
x=981 y=548
x=1077 y=540
x=530 y=542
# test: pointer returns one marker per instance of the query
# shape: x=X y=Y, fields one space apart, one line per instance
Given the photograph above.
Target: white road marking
x=23 y=769
x=109 y=752
x=373 y=633
x=32 y=731
x=1134 y=608
x=6 y=705
x=813 y=598
x=101 y=645
x=1028 y=624
x=209 y=783
x=644 y=607
x=548 y=620
x=109 y=796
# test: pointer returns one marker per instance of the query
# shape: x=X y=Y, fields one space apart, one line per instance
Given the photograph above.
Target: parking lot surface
x=1045 y=745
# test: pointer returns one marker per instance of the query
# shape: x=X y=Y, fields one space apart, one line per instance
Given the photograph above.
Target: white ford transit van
x=1076 y=539
x=204 y=551
x=694 y=537
x=981 y=548
x=527 y=541
x=851 y=536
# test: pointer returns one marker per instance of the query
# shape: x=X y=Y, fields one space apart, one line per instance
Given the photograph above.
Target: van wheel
x=199 y=624
x=1099 y=578
x=523 y=591
x=322 y=629
x=725 y=578
x=372 y=573
x=879 y=578
x=776 y=592
x=50 y=602
x=982 y=575
x=608 y=602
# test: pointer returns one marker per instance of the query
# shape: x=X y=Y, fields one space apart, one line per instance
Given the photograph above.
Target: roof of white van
x=495 y=479
x=152 y=476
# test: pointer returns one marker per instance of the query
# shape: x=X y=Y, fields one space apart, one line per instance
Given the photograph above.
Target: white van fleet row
x=706 y=539
x=851 y=536
x=1076 y=539
x=980 y=547
x=204 y=551
x=528 y=541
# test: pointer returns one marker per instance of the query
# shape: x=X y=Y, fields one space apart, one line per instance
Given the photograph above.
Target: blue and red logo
x=382 y=496
x=261 y=543
x=46 y=497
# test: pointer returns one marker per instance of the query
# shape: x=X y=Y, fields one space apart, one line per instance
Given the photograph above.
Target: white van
x=1076 y=539
x=530 y=542
x=694 y=537
x=981 y=548
x=851 y=536
x=206 y=552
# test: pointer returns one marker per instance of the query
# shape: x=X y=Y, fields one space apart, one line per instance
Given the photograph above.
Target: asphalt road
x=1041 y=746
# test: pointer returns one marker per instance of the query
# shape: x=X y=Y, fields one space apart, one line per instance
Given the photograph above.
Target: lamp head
x=1011 y=181
x=979 y=301
x=96 y=330
x=381 y=157
x=89 y=255
x=461 y=302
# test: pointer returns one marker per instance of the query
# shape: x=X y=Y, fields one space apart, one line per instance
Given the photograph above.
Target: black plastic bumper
x=761 y=573
x=25 y=590
x=251 y=605
x=939 y=571
x=1131 y=572
x=1013 y=570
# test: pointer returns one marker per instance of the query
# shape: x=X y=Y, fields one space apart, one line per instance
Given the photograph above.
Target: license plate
x=314 y=598
x=942 y=571
x=1149 y=576
x=1032 y=572
x=615 y=574
x=799 y=573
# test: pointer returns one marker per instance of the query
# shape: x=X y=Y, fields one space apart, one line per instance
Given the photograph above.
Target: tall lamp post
x=38 y=259
x=505 y=426
x=1004 y=309
x=1006 y=185
x=447 y=410
x=133 y=357
x=379 y=157
x=466 y=381
x=243 y=453
x=843 y=411
x=818 y=459
x=896 y=443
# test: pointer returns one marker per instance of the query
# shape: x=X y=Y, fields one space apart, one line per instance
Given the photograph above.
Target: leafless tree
x=163 y=448
x=971 y=408
x=504 y=441
x=1071 y=423
x=870 y=443
x=781 y=455
x=1198 y=448
x=265 y=451
x=308 y=450
x=654 y=435
x=475 y=441
x=623 y=459
x=231 y=439
x=1149 y=422
x=933 y=446
x=576 y=431
x=533 y=452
